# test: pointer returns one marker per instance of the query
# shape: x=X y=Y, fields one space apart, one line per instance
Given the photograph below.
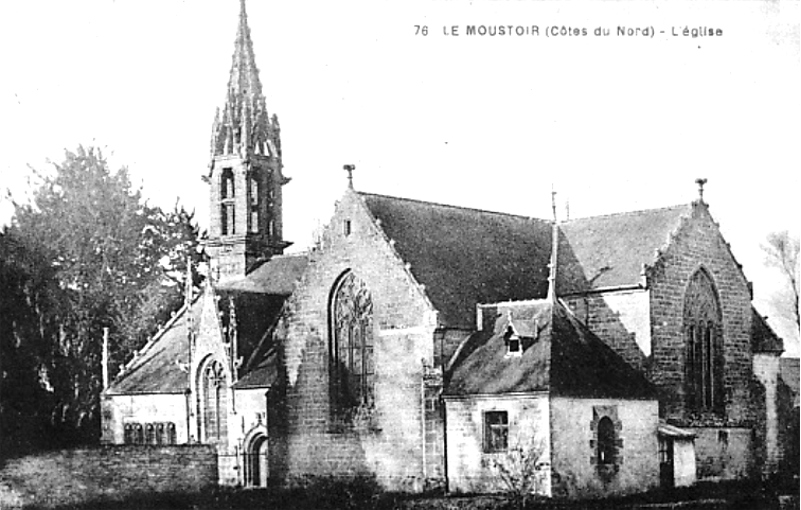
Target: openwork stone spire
x=243 y=127
x=244 y=78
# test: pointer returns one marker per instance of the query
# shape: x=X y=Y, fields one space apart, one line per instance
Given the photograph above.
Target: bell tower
x=245 y=172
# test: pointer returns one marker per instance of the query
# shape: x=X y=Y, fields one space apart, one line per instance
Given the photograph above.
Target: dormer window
x=513 y=345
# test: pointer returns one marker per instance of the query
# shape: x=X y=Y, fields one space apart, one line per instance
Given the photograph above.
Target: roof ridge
x=626 y=213
x=452 y=206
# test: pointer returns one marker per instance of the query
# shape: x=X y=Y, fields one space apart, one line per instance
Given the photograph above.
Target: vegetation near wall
x=85 y=254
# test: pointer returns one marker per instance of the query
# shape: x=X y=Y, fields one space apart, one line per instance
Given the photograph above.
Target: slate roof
x=466 y=256
x=156 y=369
x=277 y=276
x=763 y=339
x=263 y=375
x=564 y=359
x=609 y=251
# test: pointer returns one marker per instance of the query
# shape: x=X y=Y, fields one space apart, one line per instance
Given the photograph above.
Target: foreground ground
x=335 y=495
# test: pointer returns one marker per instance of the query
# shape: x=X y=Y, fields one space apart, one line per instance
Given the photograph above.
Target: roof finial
x=553 y=202
x=350 y=169
x=700 y=182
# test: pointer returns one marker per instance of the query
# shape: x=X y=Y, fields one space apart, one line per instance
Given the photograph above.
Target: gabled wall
x=209 y=344
x=724 y=442
x=389 y=443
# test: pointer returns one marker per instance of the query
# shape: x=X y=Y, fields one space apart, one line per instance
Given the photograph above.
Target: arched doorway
x=256 y=467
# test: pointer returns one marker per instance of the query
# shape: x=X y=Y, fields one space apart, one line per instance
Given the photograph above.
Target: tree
x=522 y=471
x=781 y=252
x=113 y=262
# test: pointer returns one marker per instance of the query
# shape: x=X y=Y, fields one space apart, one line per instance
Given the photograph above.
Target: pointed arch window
x=227 y=202
x=353 y=368
x=213 y=403
x=606 y=441
x=703 y=345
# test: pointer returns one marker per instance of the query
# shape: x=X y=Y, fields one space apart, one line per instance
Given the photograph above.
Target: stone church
x=427 y=345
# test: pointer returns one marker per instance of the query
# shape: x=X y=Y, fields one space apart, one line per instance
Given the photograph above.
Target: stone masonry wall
x=471 y=469
x=723 y=453
x=698 y=244
x=766 y=370
x=620 y=319
x=108 y=473
x=388 y=443
x=574 y=441
x=162 y=408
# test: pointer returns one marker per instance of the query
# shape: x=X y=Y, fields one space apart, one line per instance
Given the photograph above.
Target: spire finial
x=700 y=182
x=350 y=169
x=553 y=202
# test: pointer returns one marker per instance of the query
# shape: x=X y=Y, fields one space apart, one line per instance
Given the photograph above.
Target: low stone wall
x=107 y=472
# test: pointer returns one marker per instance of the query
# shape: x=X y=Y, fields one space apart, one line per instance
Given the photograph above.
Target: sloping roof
x=789 y=368
x=609 y=251
x=262 y=375
x=763 y=339
x=564 y=359
x=277 y=276
x=157 y=369
x=466 y=256
x=667 y=430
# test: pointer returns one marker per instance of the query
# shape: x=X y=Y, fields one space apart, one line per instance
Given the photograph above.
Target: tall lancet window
x=227 y=203
x=352 y=366
x=703 y=334
x=254 y=202
x=213 y=402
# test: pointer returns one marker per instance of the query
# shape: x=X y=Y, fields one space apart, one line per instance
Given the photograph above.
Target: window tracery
x=353 y=370
x=215 y=426
x=704 y=350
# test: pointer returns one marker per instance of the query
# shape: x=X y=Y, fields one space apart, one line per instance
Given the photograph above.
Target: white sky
x=614 y=123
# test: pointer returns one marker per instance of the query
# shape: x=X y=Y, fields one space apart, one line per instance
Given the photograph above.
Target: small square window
x=496 y=431
x=346 y=228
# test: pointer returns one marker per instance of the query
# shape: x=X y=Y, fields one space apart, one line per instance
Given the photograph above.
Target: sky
x=611 y=123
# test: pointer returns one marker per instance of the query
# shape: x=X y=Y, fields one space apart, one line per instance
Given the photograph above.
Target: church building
x=432 y=346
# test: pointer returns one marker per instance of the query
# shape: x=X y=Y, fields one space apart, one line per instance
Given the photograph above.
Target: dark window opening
x=496 y=431
x=227 y=204
x=606 y=441
x=255 y=203
x=150 y=433
x=346 y=228
x=704 y=346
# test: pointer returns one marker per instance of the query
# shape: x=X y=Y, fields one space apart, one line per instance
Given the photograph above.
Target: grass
x=326 y=494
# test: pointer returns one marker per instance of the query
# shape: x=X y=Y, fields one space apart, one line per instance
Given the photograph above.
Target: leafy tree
x=28 y=306
x=111 y=261
x=781 y=252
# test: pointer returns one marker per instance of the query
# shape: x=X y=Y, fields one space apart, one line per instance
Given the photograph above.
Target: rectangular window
x=496 y=431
